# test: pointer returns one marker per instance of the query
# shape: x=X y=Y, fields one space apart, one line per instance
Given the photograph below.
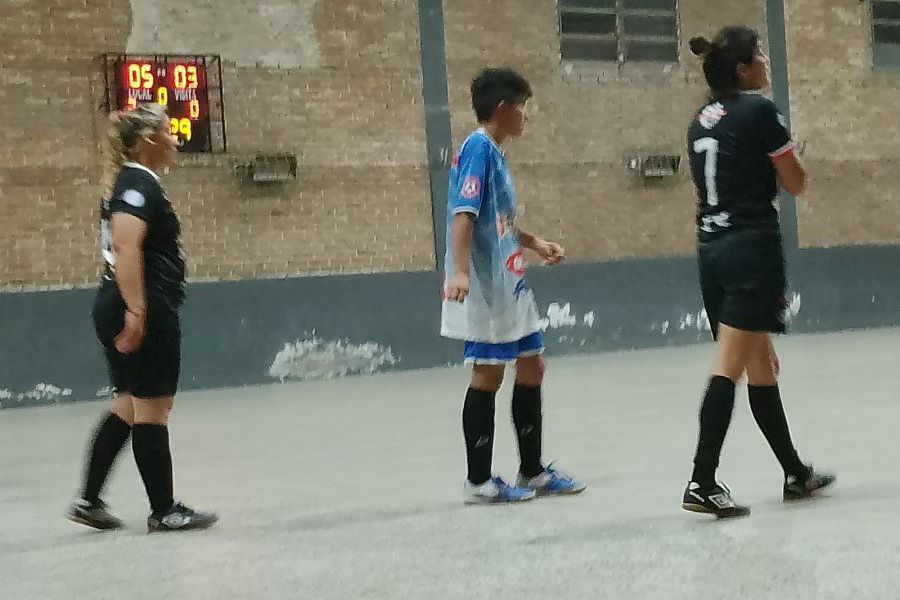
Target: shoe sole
x=548 y=494
x=699 y=508
x=92 y=524
x=489 y=501
x=180 y=529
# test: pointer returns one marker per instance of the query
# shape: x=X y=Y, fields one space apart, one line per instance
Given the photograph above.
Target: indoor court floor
x=352 y=488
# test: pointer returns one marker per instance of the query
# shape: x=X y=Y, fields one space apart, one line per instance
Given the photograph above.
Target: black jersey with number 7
x=732 y=143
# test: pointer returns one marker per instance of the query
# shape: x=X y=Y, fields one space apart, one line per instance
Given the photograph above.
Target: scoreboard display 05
x=182 y=84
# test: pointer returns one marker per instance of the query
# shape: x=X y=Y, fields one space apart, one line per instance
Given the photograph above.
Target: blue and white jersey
x=499 y=307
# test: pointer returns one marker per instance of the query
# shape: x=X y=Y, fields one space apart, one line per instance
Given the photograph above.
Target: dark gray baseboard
x=233 y=330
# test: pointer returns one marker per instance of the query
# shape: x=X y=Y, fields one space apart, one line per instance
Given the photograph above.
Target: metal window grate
x=619 y=30
x=886 y=33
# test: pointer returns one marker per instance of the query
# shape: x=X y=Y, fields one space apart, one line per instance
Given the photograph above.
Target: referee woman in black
x=135 y=316
x=741 y=150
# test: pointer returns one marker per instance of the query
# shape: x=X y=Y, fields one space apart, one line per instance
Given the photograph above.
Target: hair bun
x=700 y=46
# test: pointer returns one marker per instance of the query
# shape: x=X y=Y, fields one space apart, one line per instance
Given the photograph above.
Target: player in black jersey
x=741 y=150
x=136 y=319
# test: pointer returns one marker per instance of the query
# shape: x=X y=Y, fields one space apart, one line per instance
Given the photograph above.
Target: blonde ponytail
x=127 y=129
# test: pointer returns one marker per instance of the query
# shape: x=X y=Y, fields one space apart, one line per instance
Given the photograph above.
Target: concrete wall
x=845 y=111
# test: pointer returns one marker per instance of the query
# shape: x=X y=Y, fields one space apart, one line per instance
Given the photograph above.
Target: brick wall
x=355 y=119
x=569 y=166
x=846 y=113
x=344 y=94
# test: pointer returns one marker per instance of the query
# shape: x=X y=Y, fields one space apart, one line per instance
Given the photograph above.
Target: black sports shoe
x=714 y=500
x=92 y=514
x=180 y=518
x=807 y=485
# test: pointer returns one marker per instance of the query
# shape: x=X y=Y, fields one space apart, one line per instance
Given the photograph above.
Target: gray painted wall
x=234 y=330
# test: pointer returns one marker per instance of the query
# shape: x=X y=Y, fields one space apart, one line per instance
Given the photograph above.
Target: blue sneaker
x=494 y=491
x=552 y=482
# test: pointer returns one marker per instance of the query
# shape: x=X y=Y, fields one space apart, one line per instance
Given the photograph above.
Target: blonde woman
x=136 y=319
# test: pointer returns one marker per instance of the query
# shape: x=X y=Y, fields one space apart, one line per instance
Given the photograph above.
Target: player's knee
x=153 y=411
x=123 y=407
x=487 y=377
x=530 y=371
x=761 y=370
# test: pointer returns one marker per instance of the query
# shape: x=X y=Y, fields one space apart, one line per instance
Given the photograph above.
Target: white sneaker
x=494 y=491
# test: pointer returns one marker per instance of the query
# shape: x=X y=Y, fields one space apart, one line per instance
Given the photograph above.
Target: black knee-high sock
x=765 y=403
x=154 y=460
x=478 y=429
x=528 y=421
x=715 y=417
x=111 y=435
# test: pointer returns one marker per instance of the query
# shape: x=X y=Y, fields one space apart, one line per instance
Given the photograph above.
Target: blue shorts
x=480 y=353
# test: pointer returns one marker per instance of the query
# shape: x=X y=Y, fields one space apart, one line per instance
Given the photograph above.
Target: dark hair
x=493 y=86
x=732 y=46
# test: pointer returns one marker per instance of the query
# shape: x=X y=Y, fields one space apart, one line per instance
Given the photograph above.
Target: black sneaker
x=806 y=486
x=714 y=500
x=180 y=518
x=93 y=514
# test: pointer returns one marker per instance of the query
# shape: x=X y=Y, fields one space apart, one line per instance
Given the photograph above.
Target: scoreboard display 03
x=184 y=85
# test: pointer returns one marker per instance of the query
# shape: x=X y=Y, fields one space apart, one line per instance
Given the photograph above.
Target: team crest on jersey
x=515 y=264
x=710 y=116
x=471 y=188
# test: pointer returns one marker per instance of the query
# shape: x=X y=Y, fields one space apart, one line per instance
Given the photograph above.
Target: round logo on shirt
x=134 y=198
x=471 y=187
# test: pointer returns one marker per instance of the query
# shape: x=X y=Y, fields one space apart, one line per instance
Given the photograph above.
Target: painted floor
x=352 y=489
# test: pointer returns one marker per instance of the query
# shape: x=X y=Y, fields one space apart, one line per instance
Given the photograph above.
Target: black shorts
x=151 y=371
x=742 y=278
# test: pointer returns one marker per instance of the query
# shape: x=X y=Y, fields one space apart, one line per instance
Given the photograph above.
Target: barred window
x=620 y=30
x=886 y=33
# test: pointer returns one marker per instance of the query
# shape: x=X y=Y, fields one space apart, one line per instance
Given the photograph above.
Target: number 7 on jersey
x=709 y=146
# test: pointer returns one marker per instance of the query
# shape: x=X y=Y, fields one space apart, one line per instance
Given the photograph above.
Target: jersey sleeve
x=473 y=179
x=773 y=129
x=139 y=196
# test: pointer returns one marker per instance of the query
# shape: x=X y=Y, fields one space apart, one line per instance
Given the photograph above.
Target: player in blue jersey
x=486 y=302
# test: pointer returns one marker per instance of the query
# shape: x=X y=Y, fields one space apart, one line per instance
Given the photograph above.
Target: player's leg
x=768 y=410
x=527 y=415
x=800 y=481
x=109 y=437
x=478 y=420
x=154 y=460
x=114 y=428
x=733 y=349
x=488 y=364
x=155 y=384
